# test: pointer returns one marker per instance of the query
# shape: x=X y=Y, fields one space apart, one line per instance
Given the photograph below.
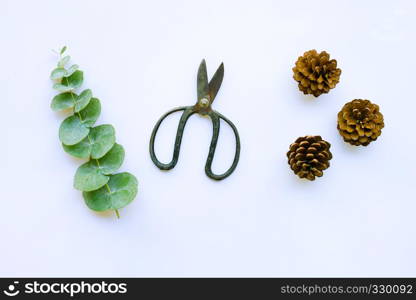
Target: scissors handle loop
x=215 y=117
x=188 y=111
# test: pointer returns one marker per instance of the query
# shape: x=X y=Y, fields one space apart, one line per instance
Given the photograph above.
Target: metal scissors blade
x=215 y=82
x=202 y=81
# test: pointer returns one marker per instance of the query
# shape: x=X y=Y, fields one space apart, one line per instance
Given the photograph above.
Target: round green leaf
x=99 y=143
x=122 y=189
x=58 y=73
x=89 y=178
x=112 y=161
x=63 y=101
x=90 y=114
x=71 y=70
x=102 y=138
x=64 y=60
x=74 y=81
x=62 y=88
x=72 y=131
x=82 y=100
x=80 y=150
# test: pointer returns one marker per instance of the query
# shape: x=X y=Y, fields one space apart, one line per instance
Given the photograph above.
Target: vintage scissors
x=206 y=94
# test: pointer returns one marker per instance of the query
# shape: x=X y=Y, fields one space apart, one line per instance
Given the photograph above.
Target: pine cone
x=308 y=156
x=360 y=122
x=315 y=73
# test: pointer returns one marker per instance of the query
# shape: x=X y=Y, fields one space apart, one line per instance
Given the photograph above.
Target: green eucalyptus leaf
x=90 y=114
x=122 y=189
x=74 y=81
x=112 y=161
x=71 y=70
x=80 y=150
x=63 y=61
x=89 y=177
x=62 y=88
x=103 y=138
x=63 y=101
x=63 y=50
x=72 y=131
x=82 y=100
x=98 y=144
x=58 y=73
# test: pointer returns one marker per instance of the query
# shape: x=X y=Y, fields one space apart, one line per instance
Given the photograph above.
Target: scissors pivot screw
x=204 y=102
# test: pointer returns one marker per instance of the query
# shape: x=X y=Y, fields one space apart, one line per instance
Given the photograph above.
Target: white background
x=140 y=58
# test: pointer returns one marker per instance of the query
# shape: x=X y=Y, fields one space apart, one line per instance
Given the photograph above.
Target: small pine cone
x=308 y=156
x=360 y=122
x=316 y=73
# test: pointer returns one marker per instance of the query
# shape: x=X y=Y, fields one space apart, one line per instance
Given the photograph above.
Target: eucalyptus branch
x=102 y=188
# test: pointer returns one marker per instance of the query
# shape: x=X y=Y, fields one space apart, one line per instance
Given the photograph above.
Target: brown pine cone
x=316 y=73
x=308 y=156
x=360 y=122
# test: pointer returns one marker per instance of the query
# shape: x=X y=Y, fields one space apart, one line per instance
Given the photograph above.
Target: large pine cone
x=308 y=156
x=360 y=122
x=316 y=73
